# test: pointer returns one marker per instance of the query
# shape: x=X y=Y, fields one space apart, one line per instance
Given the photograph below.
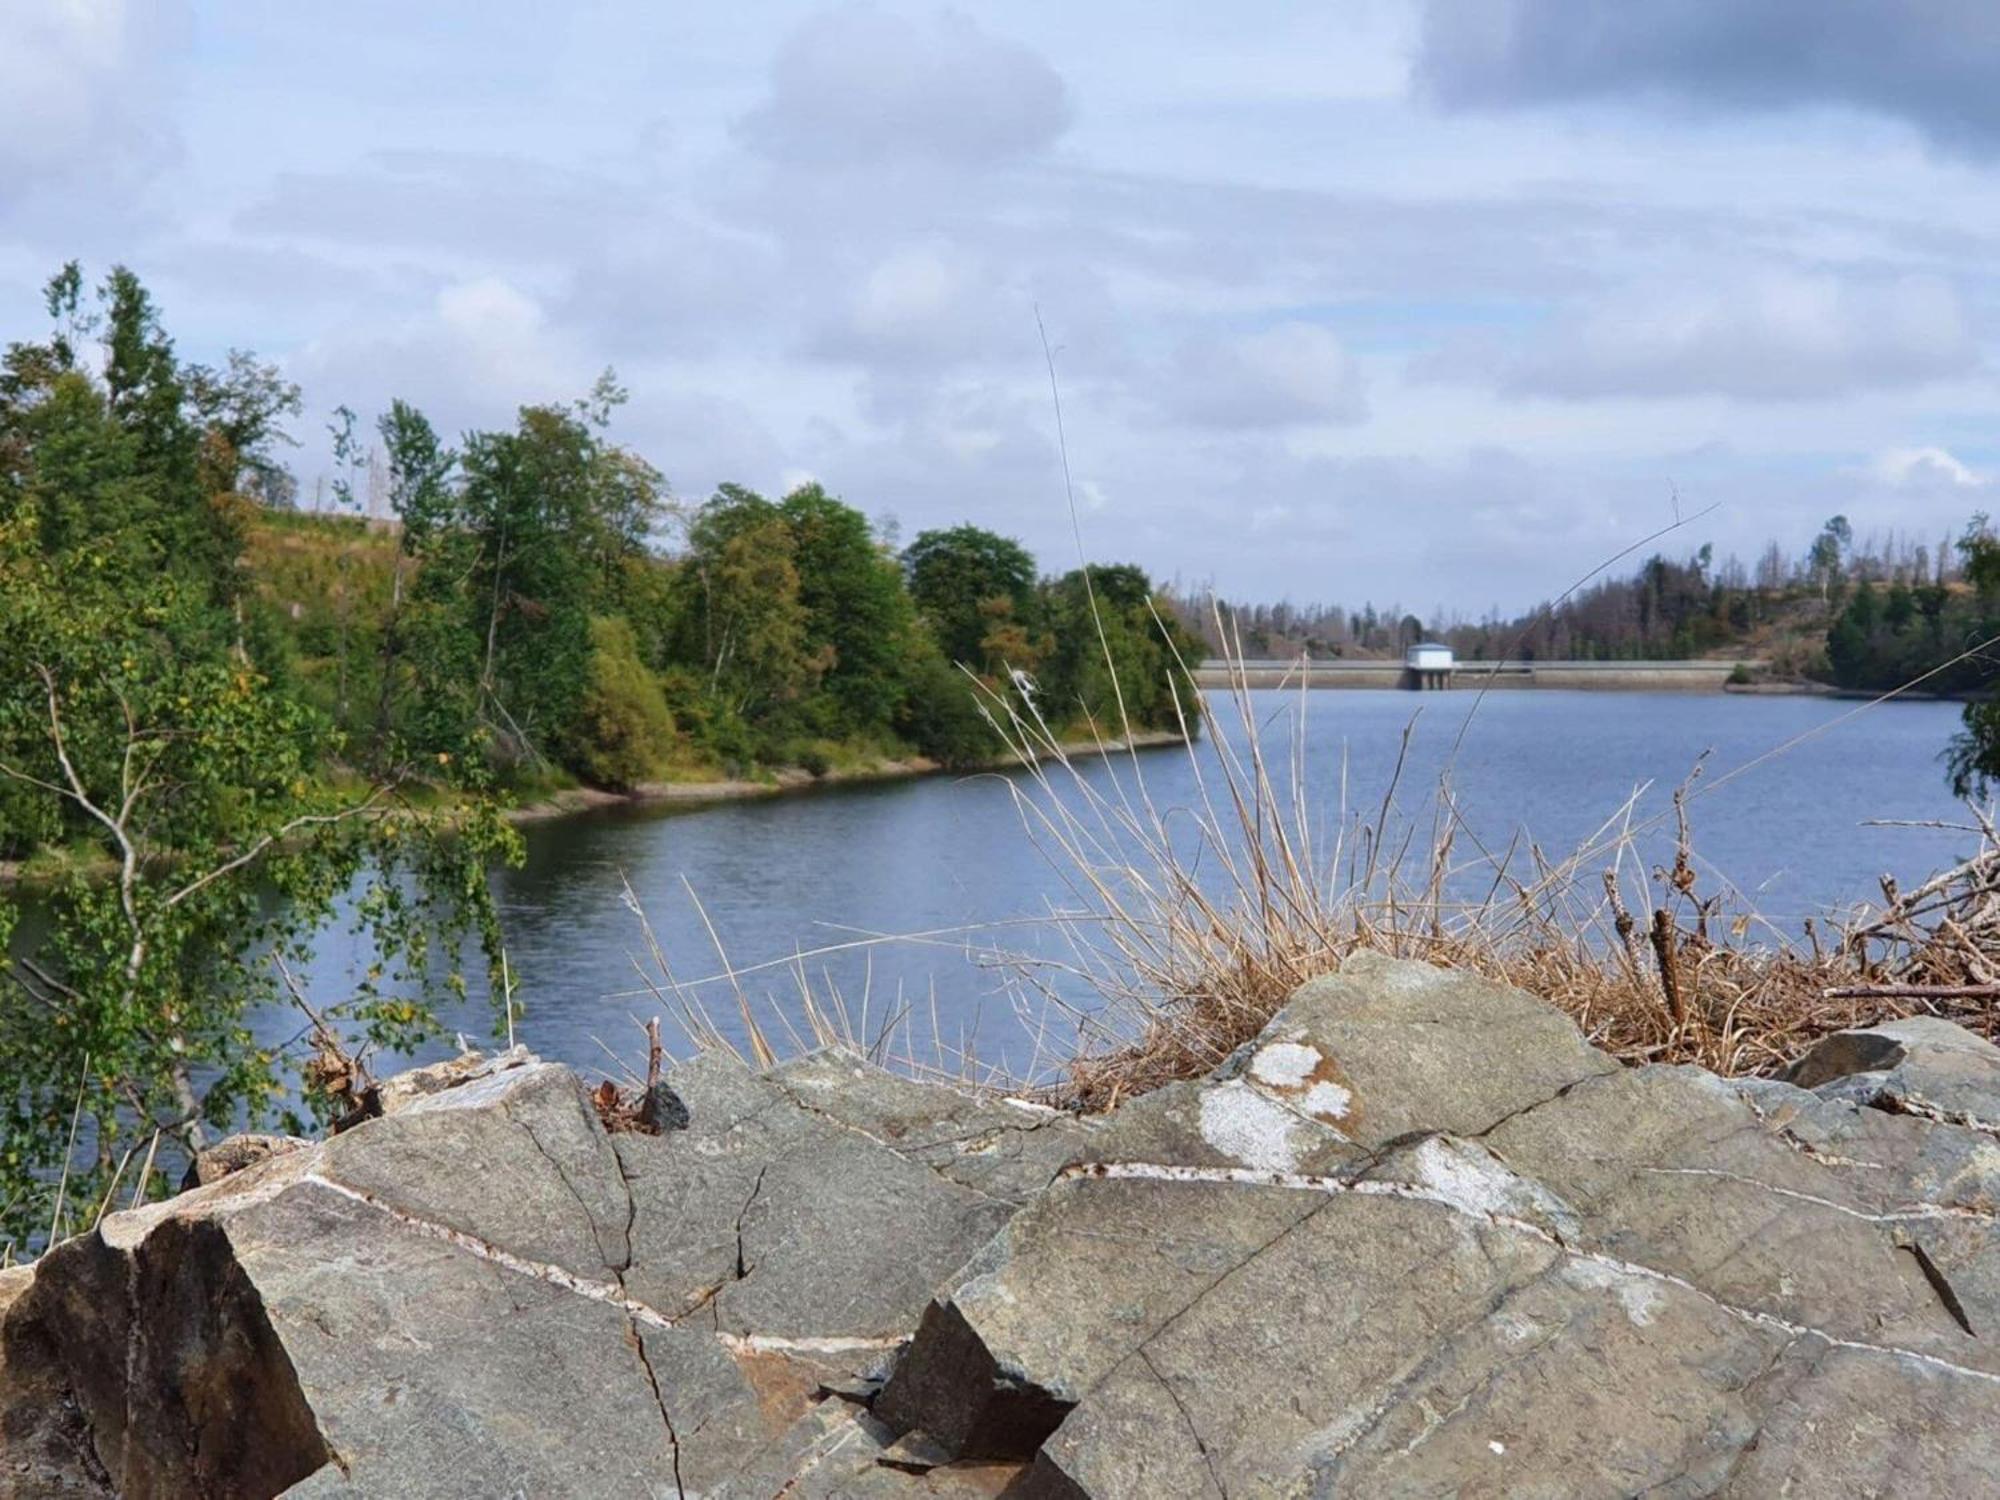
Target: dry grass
x=1190 y=926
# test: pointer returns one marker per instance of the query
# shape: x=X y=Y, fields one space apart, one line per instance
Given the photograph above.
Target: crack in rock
x=1187 y=1418
x=743 y=1268
x=1414 y=1193
x=646 y=1363
x=609 y=1293
x=1904 y=1214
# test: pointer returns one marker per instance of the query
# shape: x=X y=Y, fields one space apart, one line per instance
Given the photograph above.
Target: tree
x=1118 y=657
x=513 y=550
x=954 y=578
x=110 y=463
x=240 y=410
x=743 y=620
x=857 y=613
x=187 y=792
x=201 y=837
x=1828 y=552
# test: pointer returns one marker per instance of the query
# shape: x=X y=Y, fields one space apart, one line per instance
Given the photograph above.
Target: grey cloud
x=1778 y=336
x=494 y=206
x=1931 y=62
x=860 y=85
x=1288 y=374
x=82 y=98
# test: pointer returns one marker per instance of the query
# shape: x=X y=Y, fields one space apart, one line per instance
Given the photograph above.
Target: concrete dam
x=1427 y=670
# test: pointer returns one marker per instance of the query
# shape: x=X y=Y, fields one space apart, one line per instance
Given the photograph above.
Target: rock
x=1387 y=1046
x=1527 y=1271
x=480 y=1293
x=1920 y=1065
x=1001 y=1147
x=45 y=1447
x=406 y=1088
x=1416 y=1238
x=234 y=1154
x=783 y=1224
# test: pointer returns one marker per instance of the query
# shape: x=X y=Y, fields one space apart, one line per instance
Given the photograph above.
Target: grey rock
x=481 y=1293
x=1002 y=1147
x=1416 y=1238
x=408 y=1087
x=1920 y=1065
x=234 y=1154
x=1414 y=1047
x=777 y=1222
x=1531 y=1273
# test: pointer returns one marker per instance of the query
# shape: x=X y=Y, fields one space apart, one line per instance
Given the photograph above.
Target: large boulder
x=484 y=1293
x=1526 y=1271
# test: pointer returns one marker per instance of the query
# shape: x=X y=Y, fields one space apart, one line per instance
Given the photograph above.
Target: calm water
x=787 y=876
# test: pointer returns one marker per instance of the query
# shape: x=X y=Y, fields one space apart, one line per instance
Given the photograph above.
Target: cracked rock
x=1417 y=1238
x=1480 y=1260
x=480 y=1293
x=1920 y=1065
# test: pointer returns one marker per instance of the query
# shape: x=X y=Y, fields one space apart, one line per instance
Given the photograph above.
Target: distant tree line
x=1666 y=608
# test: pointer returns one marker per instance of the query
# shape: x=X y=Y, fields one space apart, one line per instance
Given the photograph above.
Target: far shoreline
x=792 y=780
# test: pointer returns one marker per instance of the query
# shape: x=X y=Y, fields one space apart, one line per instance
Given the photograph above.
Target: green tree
x=190 y=793
x=742 y=619
x=954 y=577
x=1118 y=655
x=857 y=612
x=110 y=463
x=1827 y=557
x=202 y=836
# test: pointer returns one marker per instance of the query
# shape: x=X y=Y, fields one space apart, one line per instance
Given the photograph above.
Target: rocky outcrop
x=1417 y=1238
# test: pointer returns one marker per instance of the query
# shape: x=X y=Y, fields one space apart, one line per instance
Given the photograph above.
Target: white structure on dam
x=1427 y=665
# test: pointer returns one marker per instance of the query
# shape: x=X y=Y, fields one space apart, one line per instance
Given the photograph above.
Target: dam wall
x=1605 y=676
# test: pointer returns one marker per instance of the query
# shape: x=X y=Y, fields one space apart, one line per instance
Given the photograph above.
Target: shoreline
x=791 y=780
x=784 y=781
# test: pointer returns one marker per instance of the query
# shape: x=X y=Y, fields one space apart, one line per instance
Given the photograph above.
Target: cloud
x=1774 y=337
x=1285 y=375
x=860 y=85
x=1930 y=62
x=1924 y=469
x=483 y=347
x=495 y=204
x=79 y=92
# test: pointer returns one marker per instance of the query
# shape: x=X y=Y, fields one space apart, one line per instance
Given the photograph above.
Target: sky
x=1435 y=303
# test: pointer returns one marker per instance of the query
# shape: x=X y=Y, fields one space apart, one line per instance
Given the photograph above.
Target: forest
x=225 y=721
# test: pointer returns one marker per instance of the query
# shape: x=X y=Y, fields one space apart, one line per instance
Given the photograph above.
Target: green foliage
x=222 y=721
x=195 y=798
x=956 y=577
x=942 y=717
x=743 y=624
x=858 y=618
x=1118 y=657
x=624 y=733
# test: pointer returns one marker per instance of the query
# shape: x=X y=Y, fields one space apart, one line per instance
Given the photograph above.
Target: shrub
x=624 y=731
x=942 y=719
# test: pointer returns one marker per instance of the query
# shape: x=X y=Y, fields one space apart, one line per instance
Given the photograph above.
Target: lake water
x=949 y=857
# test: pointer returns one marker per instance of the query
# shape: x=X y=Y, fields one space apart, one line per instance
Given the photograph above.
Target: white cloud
x=1777 y=336
x=1924 y=468
x=78 y=99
